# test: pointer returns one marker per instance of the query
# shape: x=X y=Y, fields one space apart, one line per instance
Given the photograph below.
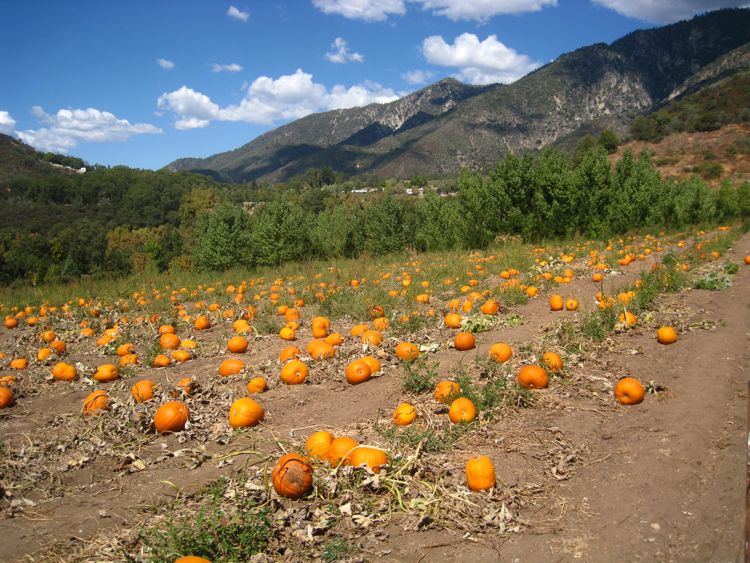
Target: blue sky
x=144 y=82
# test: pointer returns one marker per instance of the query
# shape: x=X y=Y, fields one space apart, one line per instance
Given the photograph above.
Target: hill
x=19 y=159
x=448 y=125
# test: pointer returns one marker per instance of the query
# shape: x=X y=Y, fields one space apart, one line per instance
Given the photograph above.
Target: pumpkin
x=553 y=361
x=571 y=304
x=445 y=390
x=257 y=385
x=125 y=349
x=169 y=341
x=18 y=363
x=532 y=291
x=48 y=335
x=191 y=559
x=627 y=318
x=237 y=345
x=202 y=322
x=357 y=371
x=181 y=355
x=292 y=314
x=245 y=413
x=186 y=386
x=533 y=377
x=500 y=352
x=96 y=402
x=241 y=326
x=59 y=346
x=10 y=322
x=359 y=330
x=464 y=341
x=341 y=449
x=287 y=333
x=43 y=354
x=143 y=390
x=171 y=417
x=6 y=397
x=161 y=361
x=335 y=339
x=452 y=320
x=320 y=350
x=666 y=335
x=373 y=458
x=292 y=476
x=480 y=473
x=106 y=373
x=597 y=277
x=166 y=329
x=490 y=307
x=288 y=353
x=404 y=414
x=629 y=391
x=318 y=444
x=231 y=366
x=747 y=259
x=294 y=372
x=462 y=410
x=407 y=351
x=320 y=327
x=64 y=372
x=373 y=363
x=372 y=338
x=381 y=323
x=556 y=302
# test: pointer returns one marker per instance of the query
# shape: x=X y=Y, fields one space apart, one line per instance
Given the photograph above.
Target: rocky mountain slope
x=448 y=125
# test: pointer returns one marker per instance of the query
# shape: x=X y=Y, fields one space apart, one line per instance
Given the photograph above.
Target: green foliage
x=609 y=141
x=432 y=440
x=709 y=170
x=498 y=393
x=278 y=234
x=216 y=532
x=384 y=227
x=714 y=281
x=222 y=239
x=336 y=549
x=419 y=375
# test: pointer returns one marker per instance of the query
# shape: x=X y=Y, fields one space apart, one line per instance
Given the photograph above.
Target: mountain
x=19 y=159
x=449 y=125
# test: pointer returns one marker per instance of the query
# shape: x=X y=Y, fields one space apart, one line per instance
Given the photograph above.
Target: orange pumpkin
x=172 y=416
x=556 y=302
x=452 y=320
x=237 y=345
x=666 y=335
x=231 y=366
x=257 y=385
x=6 y=397
x=294 y=372
x=96 y=402
x=292 y=476
x=288 y=353
x=43 y=354
x=335 y=339
x=186 y=386
x=500 y=352
x=181 y=355
x=407 y=351
x=143 y=390
x=629 y=391
x=372 y=337
x=359 y=330
x=357 y=371
x=373 y=363
x=462 y=410
x=161 y=361
x=480 y=473
x=169 y=341
x=373 y=458
x=318 y=444
x=445 y=390
x=404 y=414
x=125 y=349
x=571 y=304
x=106 y=373
x=320 y=350
x=341 y=449
x=627 y=318
x=464 y=341
x=245 y=413
x=533 y=377
x=553 y=361
x=202 y=322
x=490 y=307
x=64 y=372
x=19 y=363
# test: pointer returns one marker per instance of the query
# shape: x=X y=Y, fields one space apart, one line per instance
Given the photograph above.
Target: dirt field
x=579 y=476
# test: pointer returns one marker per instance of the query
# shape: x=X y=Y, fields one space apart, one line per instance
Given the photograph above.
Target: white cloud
x=479 y=62
x=164 y=63
x=269 y=100
x=666 y=11
x=7 y=123
x=417 y=77
x=70 y=127
x=341 y=53
x=368 y=10
x=238 y=14
x=234 y=67
x=482 y=9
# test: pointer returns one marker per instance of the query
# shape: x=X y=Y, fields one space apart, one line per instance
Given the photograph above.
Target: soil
x=579 y=476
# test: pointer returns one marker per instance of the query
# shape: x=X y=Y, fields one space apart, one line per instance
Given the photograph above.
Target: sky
x=144 y=82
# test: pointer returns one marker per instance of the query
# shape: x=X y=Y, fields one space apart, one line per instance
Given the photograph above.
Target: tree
x=222 y=239
x=609 y=140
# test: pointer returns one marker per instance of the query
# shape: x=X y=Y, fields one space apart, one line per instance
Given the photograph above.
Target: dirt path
x=660 y=481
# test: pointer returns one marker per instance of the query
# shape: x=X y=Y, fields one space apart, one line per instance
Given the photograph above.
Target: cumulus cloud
x=164 y=63
x=481 y=10
x=368 y=10
x=234 y=67
x=268 y=101
x=238 y=14
x=479 y=62
x=417 y=77
x=69 y=127
x=666 y=11
x=341 y=53
x=7 y=123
